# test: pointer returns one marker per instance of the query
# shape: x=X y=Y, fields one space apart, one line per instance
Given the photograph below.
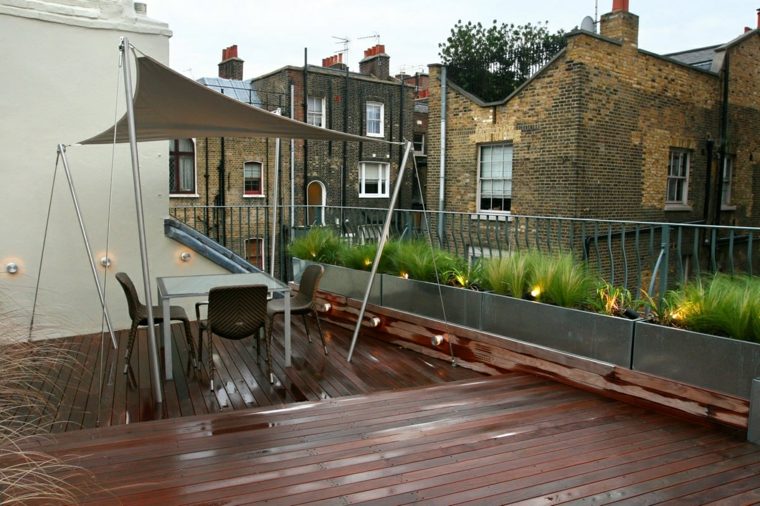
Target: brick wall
x=592 y=133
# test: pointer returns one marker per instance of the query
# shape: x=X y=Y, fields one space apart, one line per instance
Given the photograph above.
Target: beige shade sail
x=169 y=106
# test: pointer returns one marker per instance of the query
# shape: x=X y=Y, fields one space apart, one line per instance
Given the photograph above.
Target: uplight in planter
x=405 y=275
x=367 y=262
x=535 y=292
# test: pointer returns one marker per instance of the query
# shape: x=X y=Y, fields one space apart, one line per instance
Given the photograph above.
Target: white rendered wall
x=59 y=68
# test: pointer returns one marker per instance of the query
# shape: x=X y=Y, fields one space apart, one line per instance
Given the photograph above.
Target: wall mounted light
x=437 y=340
x=11 y=268
x=105 y=262
x=185 y=256
x=326 y=307
x=374 y=321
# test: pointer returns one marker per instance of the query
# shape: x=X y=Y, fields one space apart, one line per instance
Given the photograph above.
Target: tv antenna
x=342 y=40
x=374 y=35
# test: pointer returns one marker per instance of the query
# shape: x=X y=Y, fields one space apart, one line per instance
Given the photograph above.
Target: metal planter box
x=350 y=283
x=592 y=335
x=718 y=363
x=462 y=306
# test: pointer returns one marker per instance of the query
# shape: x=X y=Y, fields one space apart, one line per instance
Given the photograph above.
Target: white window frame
x=384 y=182
x=381 y=106
x=312 y=114
x=254 y=195
x=481 y=147
x=677 y=156
x=193 y=194
x=421 y=144
x=727 y=176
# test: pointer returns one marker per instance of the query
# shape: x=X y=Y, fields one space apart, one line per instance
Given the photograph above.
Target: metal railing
x=635 y=255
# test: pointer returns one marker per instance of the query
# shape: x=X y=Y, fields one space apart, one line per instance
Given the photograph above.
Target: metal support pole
x=72 y=189
x=152 y=346
x=380 y=245
x=275 y=193
x=753 y=422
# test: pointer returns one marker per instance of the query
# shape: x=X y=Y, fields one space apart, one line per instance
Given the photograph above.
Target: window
x=254 y=252
x=375 y=122
x=678 y=177
x=728 y=172
x=315 y=113
x=182 y=166
x=419 y=144
x=252 y=179
x=495 y=178
x=373 y=179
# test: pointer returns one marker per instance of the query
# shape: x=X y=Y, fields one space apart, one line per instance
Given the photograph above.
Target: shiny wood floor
x=392 y=427
x=79 y=399
x=508 y=439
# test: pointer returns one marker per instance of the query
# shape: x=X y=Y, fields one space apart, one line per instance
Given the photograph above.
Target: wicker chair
x=301 y=303
x=138 y=312
x=234 y=312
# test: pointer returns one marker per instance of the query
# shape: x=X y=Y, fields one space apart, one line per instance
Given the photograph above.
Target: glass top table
x=173 y=287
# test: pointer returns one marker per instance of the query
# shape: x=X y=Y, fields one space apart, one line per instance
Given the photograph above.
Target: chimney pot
x=233 y=51
x=619 y=5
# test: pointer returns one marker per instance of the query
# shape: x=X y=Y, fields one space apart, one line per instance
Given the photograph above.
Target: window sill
x=678 y=207
x=484 y=216
x=372 y=196
x=724 y=207
x=378 y=136
x=257 y=196
x=183 y=195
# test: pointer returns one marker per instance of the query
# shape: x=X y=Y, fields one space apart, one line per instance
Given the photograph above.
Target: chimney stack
x=334 y=62
x=620 y=24
x=376 y=62
x=231 y=66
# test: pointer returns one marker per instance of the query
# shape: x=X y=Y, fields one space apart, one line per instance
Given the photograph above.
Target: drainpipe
x=205 y=178
x=292 y=159
x=305 y=142
x=708 y=176
x=343 y=169
x=222 y=198
x=723 y=142
x=442 y=176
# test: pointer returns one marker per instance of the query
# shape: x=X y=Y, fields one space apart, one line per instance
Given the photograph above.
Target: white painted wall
x=59 y=68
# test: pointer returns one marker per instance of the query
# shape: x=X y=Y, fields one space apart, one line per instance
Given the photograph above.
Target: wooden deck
x=508 y=439
x=392 y=427
x=83 y=401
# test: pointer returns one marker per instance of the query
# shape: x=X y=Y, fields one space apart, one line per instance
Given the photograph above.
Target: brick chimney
x=376 y=62
x=231 y=66
x=620 y=24
x=334 y=62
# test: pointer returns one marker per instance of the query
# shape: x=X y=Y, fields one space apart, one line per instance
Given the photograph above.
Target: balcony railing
x=637 y=255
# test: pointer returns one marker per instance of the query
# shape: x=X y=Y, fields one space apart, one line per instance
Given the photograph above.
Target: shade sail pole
x=380 y=245
x=152 y=346
x=275 y=194
x=77 y=208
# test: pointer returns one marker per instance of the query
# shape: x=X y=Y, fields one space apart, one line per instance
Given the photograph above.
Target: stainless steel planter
x=592 y=335
x=718 y=363
x=462 y=307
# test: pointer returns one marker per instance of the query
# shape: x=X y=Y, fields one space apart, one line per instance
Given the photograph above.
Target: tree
x=492 y=62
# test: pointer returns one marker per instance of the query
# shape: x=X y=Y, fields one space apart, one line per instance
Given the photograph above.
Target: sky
x=271 y=34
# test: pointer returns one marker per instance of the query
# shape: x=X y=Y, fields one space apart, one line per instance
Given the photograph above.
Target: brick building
x=607 y=130
x=240 y=172
x=370 y=103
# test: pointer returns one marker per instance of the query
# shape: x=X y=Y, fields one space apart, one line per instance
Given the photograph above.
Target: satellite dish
x=588 y=24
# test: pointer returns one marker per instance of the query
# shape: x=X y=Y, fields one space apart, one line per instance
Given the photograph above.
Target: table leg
x=287 y=330
x=166 y=332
